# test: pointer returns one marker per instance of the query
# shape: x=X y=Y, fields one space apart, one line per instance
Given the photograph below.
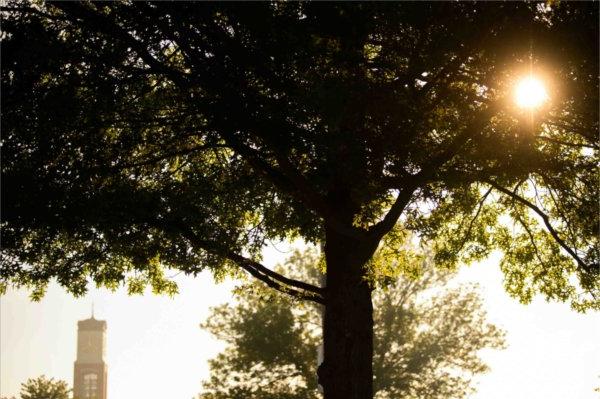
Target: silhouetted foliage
x=142 y=136
x=427 y=339
x=44 y=388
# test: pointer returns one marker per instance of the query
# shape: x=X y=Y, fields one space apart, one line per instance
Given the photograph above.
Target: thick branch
x=409 y=184
x=276 y=281
x=384 y=226
x=292 y=287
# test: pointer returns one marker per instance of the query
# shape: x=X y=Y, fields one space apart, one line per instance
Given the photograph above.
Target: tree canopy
x=139 y=136
x=427 y=339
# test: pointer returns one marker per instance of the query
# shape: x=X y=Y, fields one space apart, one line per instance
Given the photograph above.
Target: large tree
x=143 y=136
x=426 y=338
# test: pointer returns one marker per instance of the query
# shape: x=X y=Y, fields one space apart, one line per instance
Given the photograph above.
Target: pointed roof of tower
x=92 y=323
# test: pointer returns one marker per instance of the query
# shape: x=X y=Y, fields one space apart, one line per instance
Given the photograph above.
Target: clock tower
x=90 y=372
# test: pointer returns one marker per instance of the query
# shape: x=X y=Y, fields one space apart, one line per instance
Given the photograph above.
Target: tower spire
x=92 y=309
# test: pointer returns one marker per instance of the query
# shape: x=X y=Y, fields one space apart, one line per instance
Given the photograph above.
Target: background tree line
x=427 y=338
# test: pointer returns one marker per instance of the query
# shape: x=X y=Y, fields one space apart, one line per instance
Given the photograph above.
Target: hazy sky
x=156 y=349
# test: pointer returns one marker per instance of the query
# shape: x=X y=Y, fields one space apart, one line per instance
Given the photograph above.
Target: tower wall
x=83 y=369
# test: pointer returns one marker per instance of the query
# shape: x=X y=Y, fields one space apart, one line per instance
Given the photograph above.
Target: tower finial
x=92 y=309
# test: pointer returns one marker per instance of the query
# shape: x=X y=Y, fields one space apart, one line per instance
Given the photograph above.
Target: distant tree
x=44 y=388
x=141 y=136
x=427 y=339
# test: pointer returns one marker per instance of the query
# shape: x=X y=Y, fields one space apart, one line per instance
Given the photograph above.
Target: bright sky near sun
x=530 y=92
x=156 y=349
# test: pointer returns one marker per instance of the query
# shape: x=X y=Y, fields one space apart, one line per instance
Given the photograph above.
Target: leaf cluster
x=44 y=388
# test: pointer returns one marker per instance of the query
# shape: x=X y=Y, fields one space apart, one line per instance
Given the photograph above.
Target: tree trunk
x=347 y=368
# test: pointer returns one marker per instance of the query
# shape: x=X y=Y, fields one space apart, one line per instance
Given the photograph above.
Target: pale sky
x=156 y=349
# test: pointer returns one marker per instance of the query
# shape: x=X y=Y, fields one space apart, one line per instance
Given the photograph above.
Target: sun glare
x=530 y=93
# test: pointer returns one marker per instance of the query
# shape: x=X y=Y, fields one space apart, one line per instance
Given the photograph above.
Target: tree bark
x=347 y=368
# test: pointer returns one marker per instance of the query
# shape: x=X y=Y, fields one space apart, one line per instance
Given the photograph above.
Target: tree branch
x=568 y=127
x=104 y=24
x=472 y=221
x=567 y=143
x=384 y=226
x=409 y=184
x=162 y=157
x=300 y=290
x=278 y=281
x=544 y=218
x=31 y=10
x=559 y=209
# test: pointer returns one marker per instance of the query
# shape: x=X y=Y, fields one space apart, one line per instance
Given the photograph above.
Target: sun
x=530 y=93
